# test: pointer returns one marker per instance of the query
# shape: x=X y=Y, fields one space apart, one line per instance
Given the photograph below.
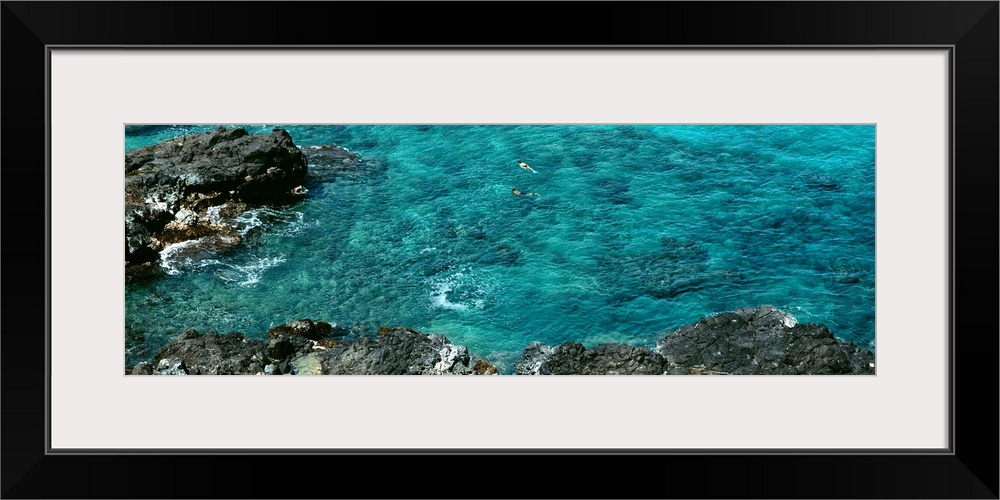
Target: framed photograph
x=765 y=201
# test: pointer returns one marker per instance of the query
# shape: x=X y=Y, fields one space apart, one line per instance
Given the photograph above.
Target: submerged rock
x=678 y=266
x=483 y=368
x=189 y=188
x=761 y=341
x=572 y=358
x=328 y=161
x=815 y=180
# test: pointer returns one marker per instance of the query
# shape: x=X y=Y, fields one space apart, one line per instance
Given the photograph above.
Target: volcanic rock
x=572 y=358
x=313 y=330
x=195 y=353
x=761 y=341
x=397 y=351
x=189 y=188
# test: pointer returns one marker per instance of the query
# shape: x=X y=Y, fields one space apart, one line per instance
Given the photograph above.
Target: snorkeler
x=525 y=166
x=515 y=191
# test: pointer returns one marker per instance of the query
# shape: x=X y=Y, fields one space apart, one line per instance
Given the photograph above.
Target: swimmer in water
x=525 y=166
x=515 y=191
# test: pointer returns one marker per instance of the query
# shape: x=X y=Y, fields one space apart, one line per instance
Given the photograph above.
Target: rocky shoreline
x=190 y=189
x=753 y=341
x=186 y=194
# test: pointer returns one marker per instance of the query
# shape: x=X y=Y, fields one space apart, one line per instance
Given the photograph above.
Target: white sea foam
x=459 y=291
x=283 y=223
x=214 y=214
x=296 y=224
x=249 y=274
x=178 y=256
x=188 y=255
x=439 y=296
x=250 y=220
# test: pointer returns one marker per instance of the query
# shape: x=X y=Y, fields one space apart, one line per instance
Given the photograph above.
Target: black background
x=27 y=472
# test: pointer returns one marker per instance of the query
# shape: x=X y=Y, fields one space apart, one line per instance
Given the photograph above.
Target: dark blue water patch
x=614 y=189
x=678 y=266
x=141 y=130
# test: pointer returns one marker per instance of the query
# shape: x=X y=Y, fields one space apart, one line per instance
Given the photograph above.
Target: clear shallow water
x=637 y=230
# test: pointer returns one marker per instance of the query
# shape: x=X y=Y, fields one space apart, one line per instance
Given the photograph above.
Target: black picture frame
x=970 y=29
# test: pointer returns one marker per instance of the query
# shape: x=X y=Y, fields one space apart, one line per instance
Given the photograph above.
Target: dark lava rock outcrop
x=571 y=358
x=393 y=351
x=312 y=330
x=751 y=341
x=189 y=188
x=396 y=351
x=195 y=353
x=761 y=341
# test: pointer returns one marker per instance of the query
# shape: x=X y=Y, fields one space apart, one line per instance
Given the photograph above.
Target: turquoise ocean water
x=637 y=230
